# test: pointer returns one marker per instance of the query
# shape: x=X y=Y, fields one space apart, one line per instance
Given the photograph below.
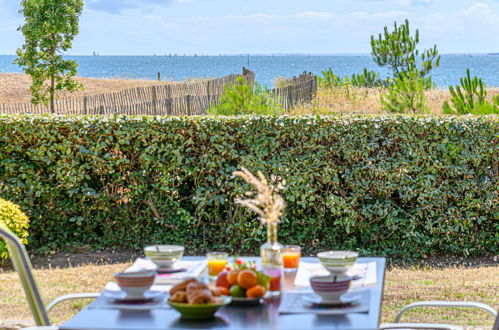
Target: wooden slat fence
x=174 y=99
x=297 y=90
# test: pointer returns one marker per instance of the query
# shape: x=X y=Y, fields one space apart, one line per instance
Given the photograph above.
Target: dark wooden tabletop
x=264 y=316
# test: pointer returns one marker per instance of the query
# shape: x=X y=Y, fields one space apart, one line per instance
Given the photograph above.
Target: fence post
x=154 y=100
x=85 y=105
x=159 y=76
x=169 y=110
x=188 y=103
x=208 y=92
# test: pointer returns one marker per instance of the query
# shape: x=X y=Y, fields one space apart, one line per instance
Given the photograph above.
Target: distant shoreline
x=267 y=67
x=256 y=54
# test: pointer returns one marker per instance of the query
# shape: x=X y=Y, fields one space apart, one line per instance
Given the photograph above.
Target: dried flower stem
x=267 y=202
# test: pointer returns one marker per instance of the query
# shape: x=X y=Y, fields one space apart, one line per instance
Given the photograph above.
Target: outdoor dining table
x=263 y=316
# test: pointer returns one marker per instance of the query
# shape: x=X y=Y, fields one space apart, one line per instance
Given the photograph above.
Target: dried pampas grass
x=266 y=201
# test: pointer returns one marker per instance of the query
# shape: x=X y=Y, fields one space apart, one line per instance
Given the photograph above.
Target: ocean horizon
x=179 y=67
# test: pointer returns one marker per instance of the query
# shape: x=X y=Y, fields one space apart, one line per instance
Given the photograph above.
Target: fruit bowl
x=199 y=311
x=244 y=283
x=240 y=301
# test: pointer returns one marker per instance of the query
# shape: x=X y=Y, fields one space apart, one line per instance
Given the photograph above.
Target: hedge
x=398 y=186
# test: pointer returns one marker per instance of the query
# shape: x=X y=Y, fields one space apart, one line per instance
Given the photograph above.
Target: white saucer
x=173 y=269
x=347 y=298
x=121 y=296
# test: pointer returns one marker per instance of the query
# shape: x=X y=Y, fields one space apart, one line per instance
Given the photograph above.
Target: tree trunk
x=52 y=76
x=52 y=91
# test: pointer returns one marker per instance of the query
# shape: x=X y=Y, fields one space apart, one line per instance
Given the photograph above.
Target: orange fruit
x=246 y=279
x=256 y=291
x=232 y=277
x=222 y=280
x=223 y=290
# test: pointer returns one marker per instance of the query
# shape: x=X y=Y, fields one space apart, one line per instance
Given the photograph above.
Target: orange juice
x=275 y=283
x=291 y=259
x=275 y=279
x=215 y=266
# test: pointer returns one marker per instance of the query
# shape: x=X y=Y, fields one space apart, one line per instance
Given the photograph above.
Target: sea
x=267 y=67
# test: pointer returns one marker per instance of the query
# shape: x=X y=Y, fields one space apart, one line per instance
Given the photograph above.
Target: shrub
x=339 y=88
x=471 y=99
x=406 y=94
x=329 y=79
x=264 y=103
x=241 y=98
x=16 y=221
x=389 y=185
x=367 y=79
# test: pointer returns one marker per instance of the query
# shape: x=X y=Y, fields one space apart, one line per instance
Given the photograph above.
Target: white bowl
x=135 y=283
x=329 y=289
x=164 y=255
x=337 y=262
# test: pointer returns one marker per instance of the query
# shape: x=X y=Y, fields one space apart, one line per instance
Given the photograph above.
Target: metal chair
x=442 y=304
x=22 y=265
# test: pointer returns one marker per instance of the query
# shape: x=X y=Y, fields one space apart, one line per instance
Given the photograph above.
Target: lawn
x=402 y=286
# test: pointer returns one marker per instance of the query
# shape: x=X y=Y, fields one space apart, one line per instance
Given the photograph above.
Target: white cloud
x=265 y=26
x=406 y=3
x=421 y=2
x=117 y=6
x=479 y=7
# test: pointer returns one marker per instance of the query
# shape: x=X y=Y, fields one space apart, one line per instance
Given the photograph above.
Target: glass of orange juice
x=291 y=257
x=216 y=262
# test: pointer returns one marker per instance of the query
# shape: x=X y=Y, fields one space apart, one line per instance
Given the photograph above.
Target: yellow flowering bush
x=16 y=221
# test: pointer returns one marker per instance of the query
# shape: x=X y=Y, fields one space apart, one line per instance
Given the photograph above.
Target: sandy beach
x=14 y=87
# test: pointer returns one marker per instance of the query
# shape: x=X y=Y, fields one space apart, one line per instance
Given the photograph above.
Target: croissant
x=192 y=286
x=191 y=291
x=182 y=286
x=200 y=297
x=179 y=297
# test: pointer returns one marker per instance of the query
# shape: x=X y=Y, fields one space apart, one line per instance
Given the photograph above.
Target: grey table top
x=264 y=316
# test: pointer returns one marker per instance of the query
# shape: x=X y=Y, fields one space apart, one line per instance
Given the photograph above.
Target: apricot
x=222 y=280
x=256 y=291
x=232 y=277
x=246 y=279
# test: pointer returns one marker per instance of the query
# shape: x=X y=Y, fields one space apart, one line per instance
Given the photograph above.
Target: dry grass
x=14 y=87
x=402 y=286
x=366 y=101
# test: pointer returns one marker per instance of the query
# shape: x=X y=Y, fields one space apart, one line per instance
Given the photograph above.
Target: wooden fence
x=296 y=90
x=175 y=99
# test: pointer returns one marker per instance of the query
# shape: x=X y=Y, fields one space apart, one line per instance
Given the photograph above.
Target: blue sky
x=141 y=27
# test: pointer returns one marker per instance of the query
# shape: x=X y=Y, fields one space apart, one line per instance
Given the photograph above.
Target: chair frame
x=22 y=265
x=442 y=304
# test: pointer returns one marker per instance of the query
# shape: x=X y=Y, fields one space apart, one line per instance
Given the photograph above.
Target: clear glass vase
x=271 y=258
